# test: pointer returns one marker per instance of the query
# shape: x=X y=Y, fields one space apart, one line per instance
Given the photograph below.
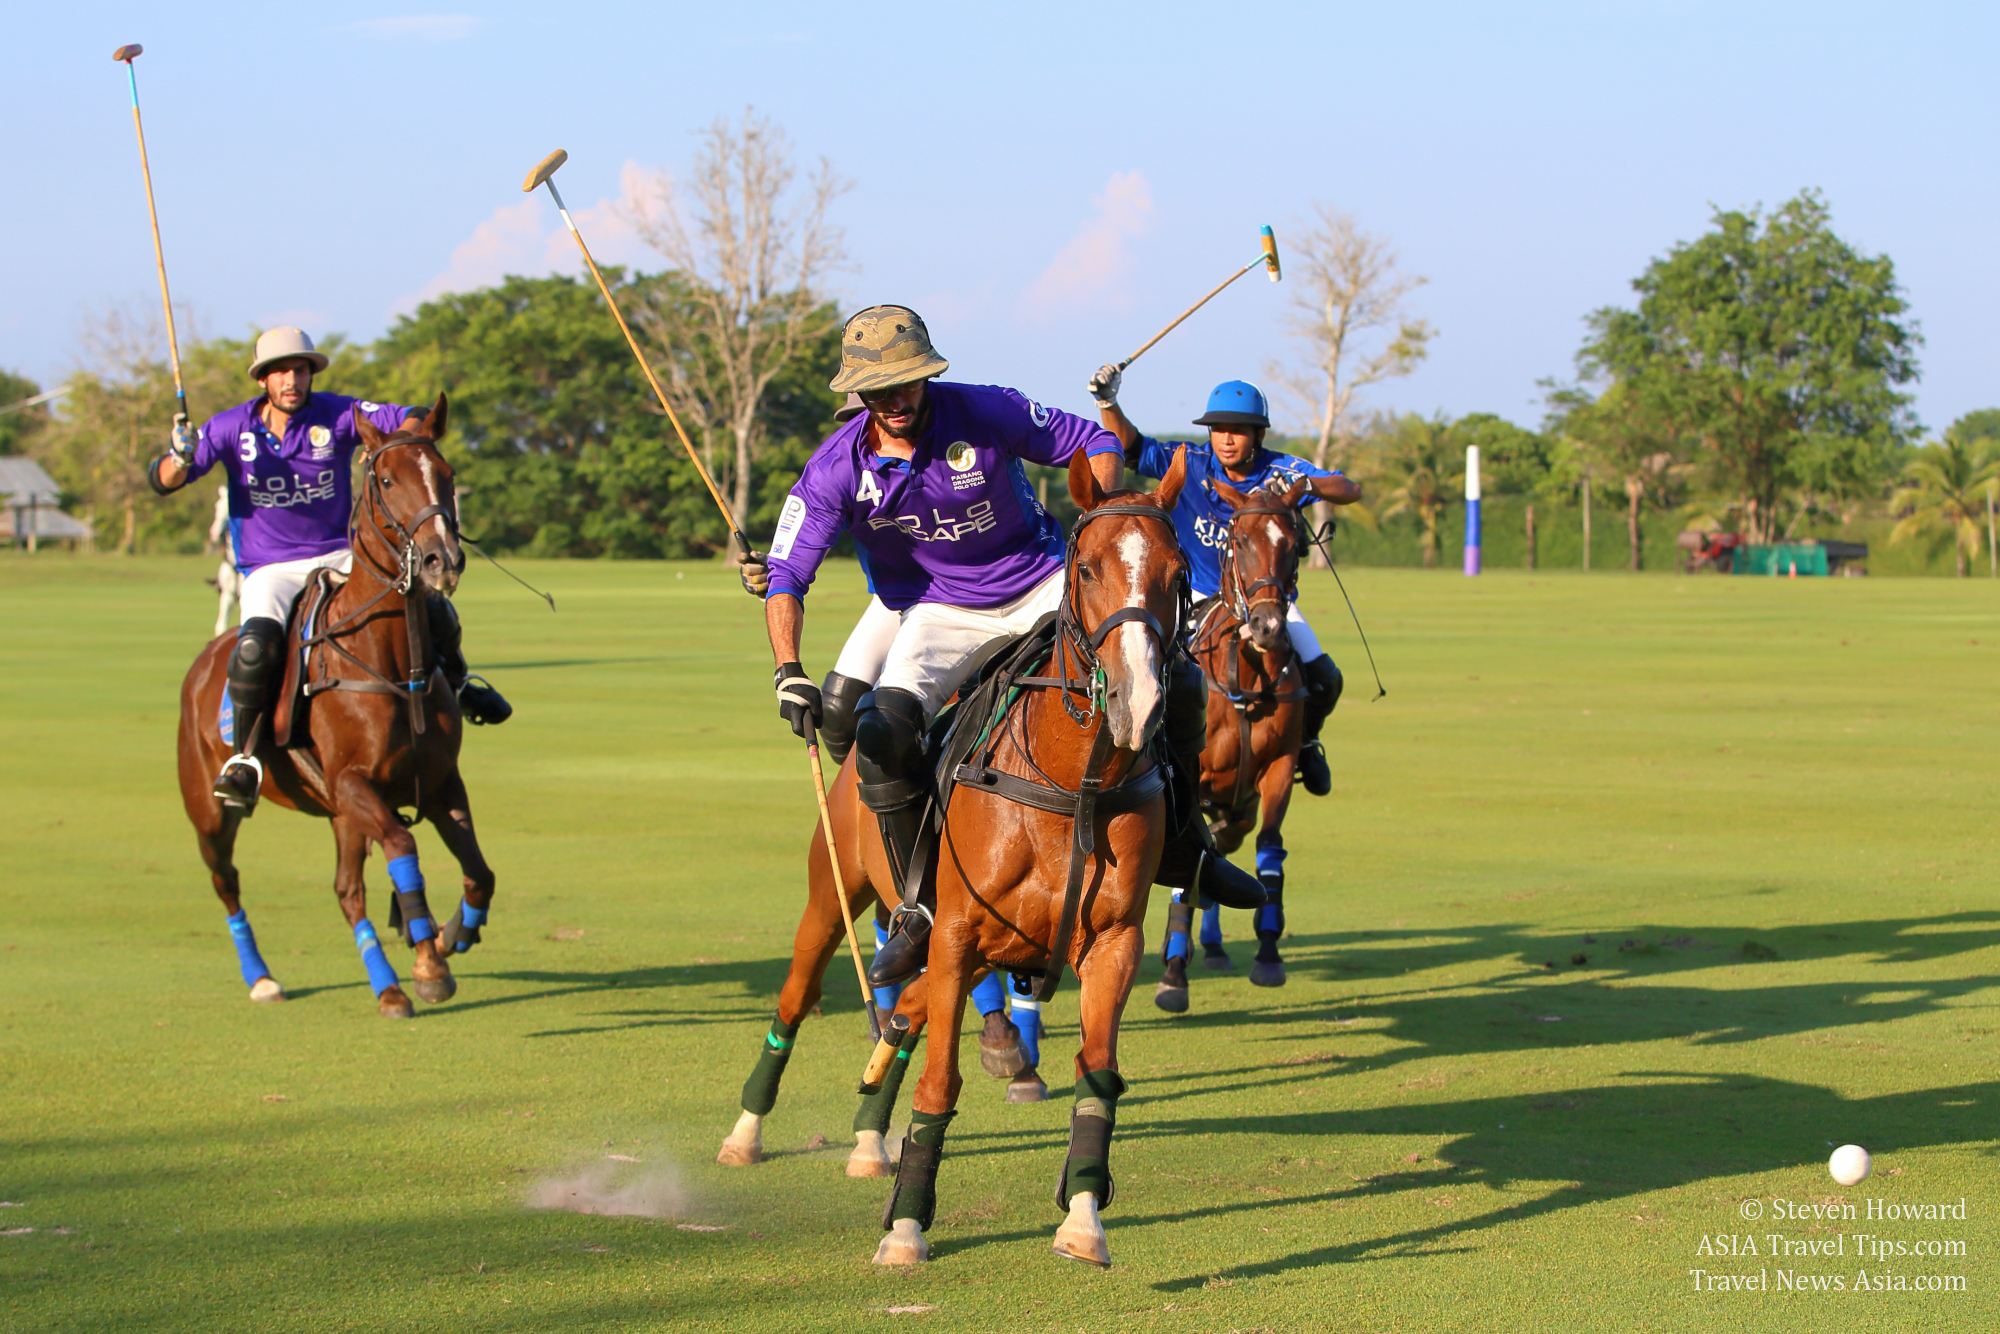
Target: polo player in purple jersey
x=287 y=455
x=929 y=483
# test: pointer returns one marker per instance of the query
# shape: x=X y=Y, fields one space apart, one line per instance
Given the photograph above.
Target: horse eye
x=1085 y=573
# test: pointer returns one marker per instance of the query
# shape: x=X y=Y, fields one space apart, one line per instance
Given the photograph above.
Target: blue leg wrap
x=471 y=916
x=409 y=883
x=1270 y=859
x=1178 y=946
x=1028 y=1018
x=380 y=975
x=252 y=962
x=990 y=995
x=885 y=997
x=1271 y=917
x=1211 y=925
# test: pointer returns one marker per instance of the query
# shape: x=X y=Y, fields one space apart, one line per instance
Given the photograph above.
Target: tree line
x=1759 y=384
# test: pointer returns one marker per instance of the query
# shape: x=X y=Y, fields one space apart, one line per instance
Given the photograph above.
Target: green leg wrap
x=760 y=1091
x=1088 y=1167
x=915 y=1195
x=879 y=1106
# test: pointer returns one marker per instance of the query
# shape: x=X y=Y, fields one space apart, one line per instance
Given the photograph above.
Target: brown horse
x=379 y=728
x=1255 y=695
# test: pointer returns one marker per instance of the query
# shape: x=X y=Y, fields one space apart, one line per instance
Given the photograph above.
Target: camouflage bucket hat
x=883 y=346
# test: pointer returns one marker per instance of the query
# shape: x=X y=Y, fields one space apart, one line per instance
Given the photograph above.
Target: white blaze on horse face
x=1136 y=655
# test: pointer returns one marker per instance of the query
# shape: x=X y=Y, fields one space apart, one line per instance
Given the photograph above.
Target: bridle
x=1072 y=639
x=399 y=535
x=1283 y=583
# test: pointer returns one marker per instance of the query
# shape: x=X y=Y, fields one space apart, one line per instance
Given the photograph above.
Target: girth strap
x=1081 y=846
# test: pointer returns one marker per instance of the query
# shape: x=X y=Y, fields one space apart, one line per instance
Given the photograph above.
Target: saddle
x=288 y=718
x=960 y=748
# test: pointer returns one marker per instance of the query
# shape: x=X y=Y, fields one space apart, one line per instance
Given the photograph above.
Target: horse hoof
x=1174 y=1000
x=870 y=1157
x=393 y=1004
x=1267 y=974
x=267 y=989
x=745 y=1145
x=1027 y=1087
x=904 y=1245
x=1218 y=960
x=436 y=989
x=1081 y=1237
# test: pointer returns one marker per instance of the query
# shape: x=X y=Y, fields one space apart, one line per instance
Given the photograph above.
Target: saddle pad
x=307 y=612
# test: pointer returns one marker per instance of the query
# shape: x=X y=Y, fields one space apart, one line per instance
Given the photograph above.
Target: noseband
x=1085 y=644
x=404 y=535
x=1285 y=583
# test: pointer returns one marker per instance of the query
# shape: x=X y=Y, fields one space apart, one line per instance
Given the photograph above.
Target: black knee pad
x=1186 y=721
x=258 y=648
x=446 y=632
x=840 y=702
x=1324 y=681
x=889 y=748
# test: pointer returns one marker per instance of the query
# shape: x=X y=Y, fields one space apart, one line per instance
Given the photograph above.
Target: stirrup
x=890 y=964
x=480 y=704
x=227 y=791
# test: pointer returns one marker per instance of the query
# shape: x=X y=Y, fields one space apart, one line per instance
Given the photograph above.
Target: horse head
x=1127 y=582
x=408 y=504
x=1260 y=562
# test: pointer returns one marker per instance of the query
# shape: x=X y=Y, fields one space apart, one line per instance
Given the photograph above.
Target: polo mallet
x=1268 y=257
x=839 y=883
x=126 y=55
x=544 y=174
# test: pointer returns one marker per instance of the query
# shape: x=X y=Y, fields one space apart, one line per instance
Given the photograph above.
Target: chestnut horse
x=382 y=730
x=1255 y=693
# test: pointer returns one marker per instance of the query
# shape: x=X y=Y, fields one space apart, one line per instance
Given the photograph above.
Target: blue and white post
x=1472 y=509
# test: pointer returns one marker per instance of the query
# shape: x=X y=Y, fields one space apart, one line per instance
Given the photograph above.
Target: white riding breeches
x=270 y=590
x=934 y=646
x=1304 y=641
x=867 y=646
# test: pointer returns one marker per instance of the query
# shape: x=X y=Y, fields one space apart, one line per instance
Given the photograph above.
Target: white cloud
x=528 y=238
x=1090 y=267
x=415 y=27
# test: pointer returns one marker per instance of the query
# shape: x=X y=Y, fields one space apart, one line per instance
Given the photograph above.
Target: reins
x=1090 y=797
x=401 y=580
x=1218 y=633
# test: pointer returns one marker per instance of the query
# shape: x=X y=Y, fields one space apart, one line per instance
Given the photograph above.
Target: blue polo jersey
x=1201 y=517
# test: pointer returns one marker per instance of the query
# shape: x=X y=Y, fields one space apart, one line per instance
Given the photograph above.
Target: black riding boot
x=1323 y=686
x=259 y=653
x=840 y=702
x=478 y=701
x=1190 y=860
x=889 y=762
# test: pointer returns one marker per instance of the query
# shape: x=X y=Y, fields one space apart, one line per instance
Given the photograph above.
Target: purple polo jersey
x=288 y=499
x=956 y=523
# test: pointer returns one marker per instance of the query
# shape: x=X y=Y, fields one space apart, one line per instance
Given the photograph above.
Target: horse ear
x=436 y=421
x=1083 y=487
x=1297 y=492
x=1235 y=499
x=371 y=435
x=1169 y=489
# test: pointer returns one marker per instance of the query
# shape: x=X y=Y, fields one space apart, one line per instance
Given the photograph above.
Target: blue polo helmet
x=1236 y=403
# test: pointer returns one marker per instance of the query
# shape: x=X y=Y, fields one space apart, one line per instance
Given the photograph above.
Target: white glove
x=1103 y=386
x=182 y=447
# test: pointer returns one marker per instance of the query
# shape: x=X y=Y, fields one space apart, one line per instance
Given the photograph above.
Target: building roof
x=23 y=482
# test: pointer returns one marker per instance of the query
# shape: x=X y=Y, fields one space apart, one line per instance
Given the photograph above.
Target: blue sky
x=329 y=168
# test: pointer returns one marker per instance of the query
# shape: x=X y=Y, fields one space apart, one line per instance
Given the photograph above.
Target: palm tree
x=1425 y=468
x=1945 y=489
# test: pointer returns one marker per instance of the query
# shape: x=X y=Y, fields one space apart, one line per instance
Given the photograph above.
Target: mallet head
x=544 y=169
x=1270 y=251
x=126 y=54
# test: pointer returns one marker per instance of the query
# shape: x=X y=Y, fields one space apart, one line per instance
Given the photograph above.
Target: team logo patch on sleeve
x=1039 y=413
x=790 y=520
x=366 y=406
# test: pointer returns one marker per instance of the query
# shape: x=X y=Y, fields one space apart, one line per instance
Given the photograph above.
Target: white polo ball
x=1850 y=1164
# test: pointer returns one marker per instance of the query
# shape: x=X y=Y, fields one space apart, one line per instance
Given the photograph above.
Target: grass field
x=1636 y=895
